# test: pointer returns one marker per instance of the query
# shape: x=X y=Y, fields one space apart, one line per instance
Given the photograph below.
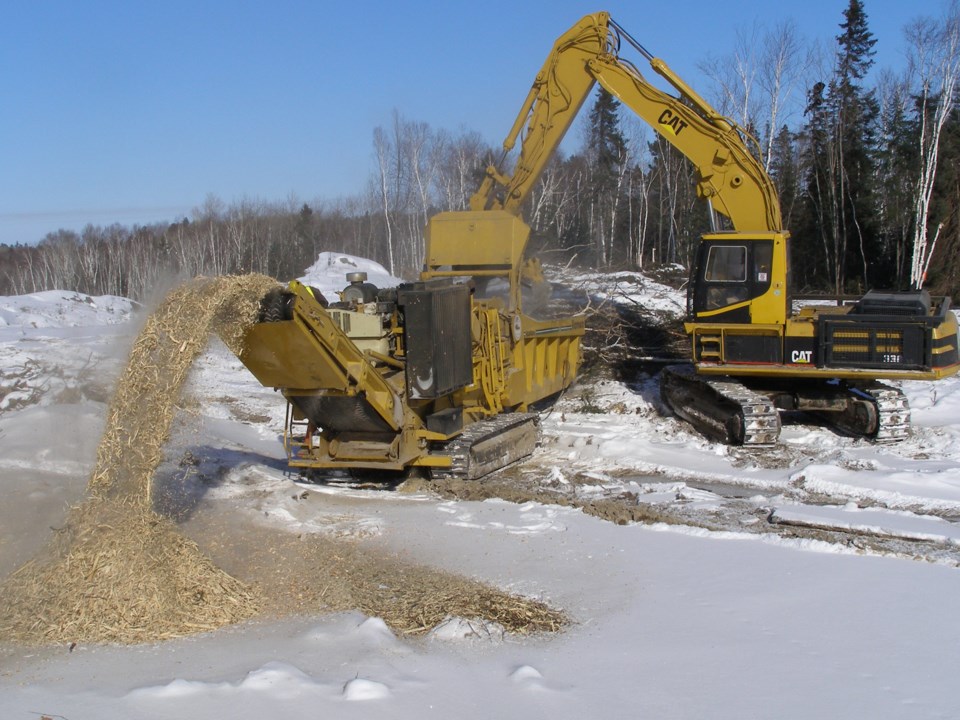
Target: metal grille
x=437 y=337
x=854 y=343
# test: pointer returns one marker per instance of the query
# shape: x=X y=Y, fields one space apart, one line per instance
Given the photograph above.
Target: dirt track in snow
x=738 y=510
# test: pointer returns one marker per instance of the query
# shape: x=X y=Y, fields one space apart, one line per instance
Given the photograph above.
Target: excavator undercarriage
x=747 y=412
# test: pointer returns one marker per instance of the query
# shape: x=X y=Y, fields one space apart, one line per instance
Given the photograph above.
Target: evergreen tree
x=785 y=172
x=856 y=51
x=814 y=233
x=841 y=147
x=857 y=114
x=606 y=154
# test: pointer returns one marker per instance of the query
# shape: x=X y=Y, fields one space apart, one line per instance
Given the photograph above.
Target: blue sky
x=135 y=112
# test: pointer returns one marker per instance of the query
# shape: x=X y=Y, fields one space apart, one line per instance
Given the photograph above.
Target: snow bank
x=631 y=288
x=934 y=404
x=871 y=521
x=60 y=308
x=930 y=486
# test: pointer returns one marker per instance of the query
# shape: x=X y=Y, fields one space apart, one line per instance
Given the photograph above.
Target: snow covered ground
x=816 y=579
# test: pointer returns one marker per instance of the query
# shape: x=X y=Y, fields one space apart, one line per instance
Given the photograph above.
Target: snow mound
x=525 y=672
x=329 y=273
x=61 y=308
x=457 y=629
x=375 y=630
x=276 y=680
x=363 y=689
x=529 y=678
x=279 y=679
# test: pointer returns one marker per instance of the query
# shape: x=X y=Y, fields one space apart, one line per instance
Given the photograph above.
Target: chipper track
x=489 y=445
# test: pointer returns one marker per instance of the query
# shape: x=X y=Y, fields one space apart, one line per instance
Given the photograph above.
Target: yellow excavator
x=441 y=373
x=752 y=356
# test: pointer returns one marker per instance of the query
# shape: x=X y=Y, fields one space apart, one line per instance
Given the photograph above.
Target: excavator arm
x=555 y=98
x=729 y=176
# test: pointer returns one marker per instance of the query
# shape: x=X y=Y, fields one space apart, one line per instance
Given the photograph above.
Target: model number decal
x=897 y=359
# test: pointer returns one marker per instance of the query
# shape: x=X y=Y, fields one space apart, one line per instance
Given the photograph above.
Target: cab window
x=726 y=263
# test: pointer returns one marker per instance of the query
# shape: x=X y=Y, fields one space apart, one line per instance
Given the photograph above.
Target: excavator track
x=720 y=407
x=489 y=445
x=893 y=410
x=879 y=413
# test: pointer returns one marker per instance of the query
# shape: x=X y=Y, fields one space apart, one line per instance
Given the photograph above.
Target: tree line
x=868 y=177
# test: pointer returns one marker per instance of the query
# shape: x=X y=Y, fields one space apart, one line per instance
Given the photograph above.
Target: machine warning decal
x=668 y=119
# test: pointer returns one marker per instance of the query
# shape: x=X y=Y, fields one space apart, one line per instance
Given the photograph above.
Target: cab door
x=728 y=275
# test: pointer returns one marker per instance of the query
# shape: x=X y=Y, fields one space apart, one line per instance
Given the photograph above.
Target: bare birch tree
x=461 y=165
x=638 y=194
x=785 y=60
x=734 y=77
x=756 y=83
x=382 y=147
x=935 y=61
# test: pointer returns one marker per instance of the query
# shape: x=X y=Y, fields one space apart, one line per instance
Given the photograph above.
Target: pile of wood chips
x=414 y=599
x=119 y=572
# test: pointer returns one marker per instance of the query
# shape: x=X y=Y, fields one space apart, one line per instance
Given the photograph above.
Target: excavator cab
x=729 y=274
x=734 y=279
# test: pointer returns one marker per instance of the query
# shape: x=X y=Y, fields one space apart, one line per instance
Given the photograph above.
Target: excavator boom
x=555 y=98
x=587 y=54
